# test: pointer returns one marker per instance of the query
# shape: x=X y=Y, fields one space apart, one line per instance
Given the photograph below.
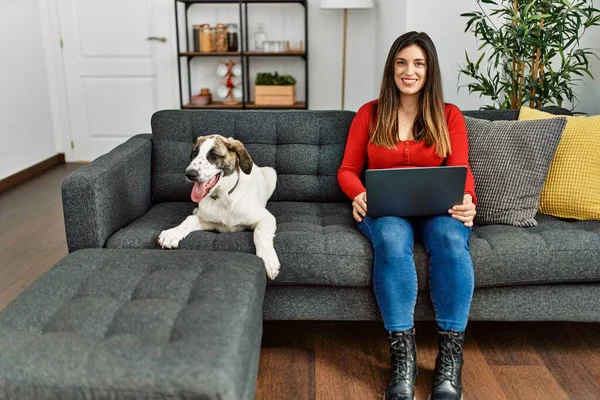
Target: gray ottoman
x=136 y=324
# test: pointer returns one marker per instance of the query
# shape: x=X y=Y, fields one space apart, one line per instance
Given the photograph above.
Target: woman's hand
x=359 y=206
x=464 y=212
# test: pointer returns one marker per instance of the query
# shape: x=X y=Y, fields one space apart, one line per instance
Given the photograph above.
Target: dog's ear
x=243 y=156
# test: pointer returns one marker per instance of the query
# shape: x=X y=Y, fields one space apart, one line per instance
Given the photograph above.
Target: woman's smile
x=409 y=81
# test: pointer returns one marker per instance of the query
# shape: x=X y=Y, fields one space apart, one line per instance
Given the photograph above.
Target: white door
x=118 y=58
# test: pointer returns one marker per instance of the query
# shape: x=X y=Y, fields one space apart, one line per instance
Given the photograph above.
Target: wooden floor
x=335 y=360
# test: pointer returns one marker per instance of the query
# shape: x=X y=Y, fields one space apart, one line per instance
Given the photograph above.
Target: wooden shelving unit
x=214 y=104
x=211 y=54
x=275 y=54
x=299 y=105
x=244 y=55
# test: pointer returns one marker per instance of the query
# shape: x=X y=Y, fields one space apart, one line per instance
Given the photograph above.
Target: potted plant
x=533 y=53
x=272 y=89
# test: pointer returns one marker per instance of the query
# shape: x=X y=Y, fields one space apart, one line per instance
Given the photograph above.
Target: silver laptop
x=414 y=191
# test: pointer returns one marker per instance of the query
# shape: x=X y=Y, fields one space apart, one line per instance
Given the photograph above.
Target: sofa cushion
x=554 y=251
x=319 y=245
x=510 y=161
x=304 y=147
x=572 y=188
x=143 y=324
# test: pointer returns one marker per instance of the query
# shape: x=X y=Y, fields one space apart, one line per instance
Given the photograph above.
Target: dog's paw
x=271 y=264
x=170 y=238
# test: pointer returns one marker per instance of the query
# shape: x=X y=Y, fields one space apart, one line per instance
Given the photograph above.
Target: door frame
x=55 y=71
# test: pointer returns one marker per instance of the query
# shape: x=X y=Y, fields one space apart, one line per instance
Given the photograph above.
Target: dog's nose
x=191 y=174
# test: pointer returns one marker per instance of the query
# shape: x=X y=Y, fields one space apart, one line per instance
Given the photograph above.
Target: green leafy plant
x=533 y=51
x=267 y=78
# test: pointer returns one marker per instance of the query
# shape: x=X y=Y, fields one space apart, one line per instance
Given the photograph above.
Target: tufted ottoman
x=136 y=324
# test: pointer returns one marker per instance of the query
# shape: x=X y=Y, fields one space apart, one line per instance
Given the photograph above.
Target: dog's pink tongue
x=198 y=192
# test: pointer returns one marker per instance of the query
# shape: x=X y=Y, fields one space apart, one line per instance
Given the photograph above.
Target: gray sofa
x=125 y=198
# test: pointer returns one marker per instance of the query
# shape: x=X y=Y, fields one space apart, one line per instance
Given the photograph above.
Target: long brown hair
x=430 y=123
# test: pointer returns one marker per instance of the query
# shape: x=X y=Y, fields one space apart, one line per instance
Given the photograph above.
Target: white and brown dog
x=232 y=195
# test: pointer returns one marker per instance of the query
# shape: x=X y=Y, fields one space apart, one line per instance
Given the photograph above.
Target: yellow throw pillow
x=572 y=187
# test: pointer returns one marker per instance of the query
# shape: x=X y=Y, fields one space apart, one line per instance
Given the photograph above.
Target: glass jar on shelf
x=260 y=37
x=206 y=38
x=232 y=37
x=268 y=46
x=196 y=35
x=221 y=38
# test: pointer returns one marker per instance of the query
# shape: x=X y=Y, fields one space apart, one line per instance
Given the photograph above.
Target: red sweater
x=408 y=153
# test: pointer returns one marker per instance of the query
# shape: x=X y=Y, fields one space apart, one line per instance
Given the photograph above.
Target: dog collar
x=234 y=186
x=215 y=197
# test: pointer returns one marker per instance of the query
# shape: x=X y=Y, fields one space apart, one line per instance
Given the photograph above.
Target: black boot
x=404 y=366
x=448 y=366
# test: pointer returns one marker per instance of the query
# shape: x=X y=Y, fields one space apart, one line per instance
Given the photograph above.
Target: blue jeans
x=451 y=279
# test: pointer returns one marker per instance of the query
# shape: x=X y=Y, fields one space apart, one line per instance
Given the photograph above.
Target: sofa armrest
x=107 y=194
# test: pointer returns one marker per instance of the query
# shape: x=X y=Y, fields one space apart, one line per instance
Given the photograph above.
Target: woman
x=409 y=125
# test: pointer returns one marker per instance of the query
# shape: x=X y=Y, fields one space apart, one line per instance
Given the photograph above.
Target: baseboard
x=31 y=172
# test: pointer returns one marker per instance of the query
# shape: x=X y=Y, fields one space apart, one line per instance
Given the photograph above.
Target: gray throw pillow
x=510 y=162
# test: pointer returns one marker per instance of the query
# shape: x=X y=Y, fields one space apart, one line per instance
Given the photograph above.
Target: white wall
x=379 y=28
x=441 y=20
x=360 y=54
x=391 y=23
x=30 y=75
x=588 y=91
x=26 y=126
